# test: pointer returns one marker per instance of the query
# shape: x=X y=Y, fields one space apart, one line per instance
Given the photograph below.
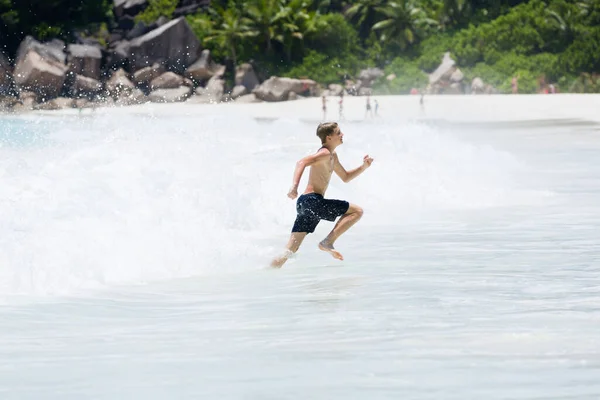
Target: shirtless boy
x=311 y=206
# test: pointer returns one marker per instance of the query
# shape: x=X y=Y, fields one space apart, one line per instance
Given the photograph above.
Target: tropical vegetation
x=541 y=41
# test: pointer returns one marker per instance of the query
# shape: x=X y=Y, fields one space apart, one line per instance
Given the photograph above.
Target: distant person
x=422 y=100
x=311 y=206
x=369 y=111
x=341 y=106
x=376 y=107
x=324 y=106
x=552 y=88
x=515 y=84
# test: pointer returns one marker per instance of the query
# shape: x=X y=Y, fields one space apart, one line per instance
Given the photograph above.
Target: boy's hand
x=367 y=161
x=293 y=193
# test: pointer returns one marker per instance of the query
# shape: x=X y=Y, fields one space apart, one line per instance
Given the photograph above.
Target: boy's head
x=327 y=129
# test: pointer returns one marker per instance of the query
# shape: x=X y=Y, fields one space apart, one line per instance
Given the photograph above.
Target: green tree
x=404 y=23
x=231 y=31
x=365 y=14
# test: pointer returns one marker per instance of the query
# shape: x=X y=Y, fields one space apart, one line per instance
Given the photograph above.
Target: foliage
x=408 y=76
x=42 y=19
x=541 y=41
x=157 y=9
x=324 y=69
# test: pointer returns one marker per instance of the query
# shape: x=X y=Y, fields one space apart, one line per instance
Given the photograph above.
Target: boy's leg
x=293 y=245
x=351 y=217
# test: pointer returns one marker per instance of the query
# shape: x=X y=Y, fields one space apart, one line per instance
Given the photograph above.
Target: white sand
x=450 y=108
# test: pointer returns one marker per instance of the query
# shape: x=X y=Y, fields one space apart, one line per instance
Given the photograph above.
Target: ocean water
x=133 y=254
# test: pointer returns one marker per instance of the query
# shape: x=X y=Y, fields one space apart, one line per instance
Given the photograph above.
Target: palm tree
x=403 y=23
x=265 y=18
x=231 y=31
x=365 y=14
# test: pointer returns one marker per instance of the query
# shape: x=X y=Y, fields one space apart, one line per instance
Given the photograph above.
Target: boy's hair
x=326 y=129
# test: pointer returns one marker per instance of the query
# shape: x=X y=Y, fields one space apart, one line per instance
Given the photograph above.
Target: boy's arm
x=347 y=176
x=301 y=165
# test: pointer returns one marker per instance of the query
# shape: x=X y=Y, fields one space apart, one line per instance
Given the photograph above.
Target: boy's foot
x=328 y=247
x=279 y=261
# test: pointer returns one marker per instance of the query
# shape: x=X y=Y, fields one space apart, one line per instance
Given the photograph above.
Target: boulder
x=52 y=51
x=5 y=74
x=391 y=77
x=335 y=89
x=366 y=77
x=238 y=91
x=365 y=91
x=179 y=94
x=84 y=60
x=204 y=68
x=128 y=7
x=444 y=71
x=145 y=75
x=119 y=84
x=119 y=53
x=84 y=86
x=457 y=76
x=44 y=76
x=168 y=80
x=59 y=103
x=130 y=97
x=245 y=76
x=215 y=89
x=248 y=98
x=477 y=86
x=174 y=45
x=278 y=89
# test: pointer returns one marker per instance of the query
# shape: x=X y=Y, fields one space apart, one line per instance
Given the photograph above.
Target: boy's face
x=337 y=137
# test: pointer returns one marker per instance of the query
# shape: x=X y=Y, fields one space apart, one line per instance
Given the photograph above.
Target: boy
x=311 y=205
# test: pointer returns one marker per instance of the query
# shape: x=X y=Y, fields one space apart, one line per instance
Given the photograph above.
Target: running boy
x=311 y=206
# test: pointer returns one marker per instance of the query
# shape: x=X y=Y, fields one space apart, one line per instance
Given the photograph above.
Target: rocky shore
x=162 y=63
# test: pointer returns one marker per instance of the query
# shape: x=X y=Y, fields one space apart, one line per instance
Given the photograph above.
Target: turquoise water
x=133 y=254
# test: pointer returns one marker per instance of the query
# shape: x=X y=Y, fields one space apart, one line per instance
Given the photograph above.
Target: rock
x=168 y=80
x=119 y=84
x=444 y=71
x=52 y=51
x=278 y=89
x=365 y=91
x=84 y=60
x=245 y=76
x=186 y=7
x=138 y=30
x=203 y=68
x=43 y=76
x=335 y=89
x=59 y=103
x=84 y=86
x=457 y=76
x=5 y=74
x=248 y=98
x=119 y=53
x=238 y=91
x=454 y=88
x=367 y=77
x=391 y=77
x=215 y=89
x=128 y=7
x=174 y=45
x=130 y=97
x=179 y=94
x=144 y=76
x=477 y=86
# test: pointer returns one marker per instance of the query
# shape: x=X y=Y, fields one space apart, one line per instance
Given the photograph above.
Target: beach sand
x=453 y=109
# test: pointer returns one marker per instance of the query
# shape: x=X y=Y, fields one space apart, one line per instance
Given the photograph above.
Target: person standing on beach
x=376 y=107
x=515 y=84
x=324 y=101
x=311 y=206
x=341 y=106
x=369 y=110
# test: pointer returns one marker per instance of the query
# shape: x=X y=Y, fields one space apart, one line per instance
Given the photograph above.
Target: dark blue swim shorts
x=312 y=208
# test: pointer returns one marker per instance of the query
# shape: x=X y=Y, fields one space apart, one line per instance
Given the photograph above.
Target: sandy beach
x=453 y=109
